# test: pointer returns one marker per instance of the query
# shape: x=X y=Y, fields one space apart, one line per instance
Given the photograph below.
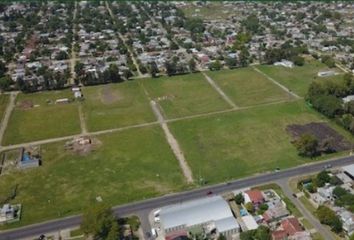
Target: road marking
x=277 y=83
x=218 y=89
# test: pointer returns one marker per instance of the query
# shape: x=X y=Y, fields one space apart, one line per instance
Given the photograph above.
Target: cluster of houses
x=158 y=32
x=46 y=47
x=325 y=196
x=213 y=216
x=97 y=43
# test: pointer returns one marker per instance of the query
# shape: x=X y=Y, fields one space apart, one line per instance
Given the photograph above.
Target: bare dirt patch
x=322 y=132
x=83 y=145
x=25 y=104
x=109 y=96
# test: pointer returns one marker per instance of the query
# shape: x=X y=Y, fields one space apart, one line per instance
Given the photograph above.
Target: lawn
x=4 y=100
x=247 y=87
x=297 y=79
x=242 y=143
x=210 y=11
x=184 y=95
x=126 y=166
x=116 y=105
x=44 y=120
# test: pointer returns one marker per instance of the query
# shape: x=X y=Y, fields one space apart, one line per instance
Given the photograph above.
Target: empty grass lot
x=247 y=87
x=184 y=95
x=47 y=120
x=4 y=100
x=242 y=143
x=116 y=105
x=127 y=166
x=297 y=79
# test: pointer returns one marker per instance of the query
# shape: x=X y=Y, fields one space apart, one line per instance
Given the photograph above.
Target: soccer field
x=242 y=143
x=115 y=105
x=36 y=116
x=247 y=87
x=184 y=95
x=298 y=79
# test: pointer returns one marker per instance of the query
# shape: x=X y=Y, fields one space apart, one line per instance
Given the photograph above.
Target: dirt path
x=82 y=120
x=7 y=114
x=172 y=141
x=97 y=133
x=277 y=83
x=218 y=89
x=123 y=39
x=73 y=58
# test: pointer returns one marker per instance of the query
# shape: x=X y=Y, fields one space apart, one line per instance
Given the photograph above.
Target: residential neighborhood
x=177 y=120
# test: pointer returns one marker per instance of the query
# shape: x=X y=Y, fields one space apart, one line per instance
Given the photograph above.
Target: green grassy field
x=184 y=95
x=126 y=166
x=297 y=79
x=247 y=87
x=47 y=120
x=116 y=105
x=4 y=100
x=213 y=10
x=242 y=143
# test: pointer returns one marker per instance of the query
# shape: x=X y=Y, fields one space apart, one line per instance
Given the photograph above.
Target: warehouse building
x=212 y=215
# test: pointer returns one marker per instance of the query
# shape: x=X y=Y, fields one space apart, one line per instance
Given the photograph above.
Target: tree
x=170 y=68
x=239 y=199
x=5 y=82
x=154 y=70
x=307 y=145
x=62 y=55
x=98 y=221
x=231 y=62
x=328 y=216
x=3 y=69
x=113 y=233
x=192 y=65
x=298 y=61
x=329 y=61
x=322 y=178
x=215 y=66
x=249 y=206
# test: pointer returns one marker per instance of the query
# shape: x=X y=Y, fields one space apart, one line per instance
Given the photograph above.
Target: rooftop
x=196 y=212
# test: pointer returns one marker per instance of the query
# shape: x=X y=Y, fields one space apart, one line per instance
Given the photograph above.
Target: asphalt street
x=146 y=205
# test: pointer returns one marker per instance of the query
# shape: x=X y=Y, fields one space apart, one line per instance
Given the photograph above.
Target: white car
x=153 y=232
x=157 y=219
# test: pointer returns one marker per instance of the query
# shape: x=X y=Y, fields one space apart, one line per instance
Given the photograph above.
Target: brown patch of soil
x=25 y=104
x=322 y=132
x=108 y=96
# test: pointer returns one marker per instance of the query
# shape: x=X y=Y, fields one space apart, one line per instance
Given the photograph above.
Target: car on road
x=41 y=237
x=327 y=166
x=209 y=193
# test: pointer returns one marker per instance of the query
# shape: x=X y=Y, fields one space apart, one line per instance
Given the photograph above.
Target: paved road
x=34 y=230
x=326 y=234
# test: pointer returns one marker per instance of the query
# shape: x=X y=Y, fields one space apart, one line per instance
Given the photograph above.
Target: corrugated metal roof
x=226 y=224
x=195 y=212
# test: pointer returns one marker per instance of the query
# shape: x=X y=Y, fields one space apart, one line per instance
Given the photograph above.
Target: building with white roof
x=349 y=170
x=202 y=212
x=250 y=222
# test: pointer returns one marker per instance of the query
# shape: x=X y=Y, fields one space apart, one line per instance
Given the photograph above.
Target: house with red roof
x=254 y=196
x=290 y=228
